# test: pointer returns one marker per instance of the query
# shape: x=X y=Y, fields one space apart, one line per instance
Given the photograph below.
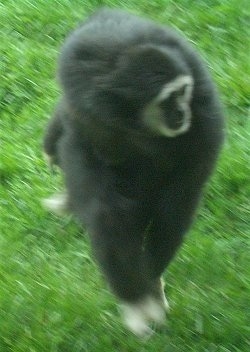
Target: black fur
x=136 y=191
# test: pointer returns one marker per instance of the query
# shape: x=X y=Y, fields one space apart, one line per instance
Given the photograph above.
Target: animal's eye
x=181 y=91
x=179 y=109
x=167 y=103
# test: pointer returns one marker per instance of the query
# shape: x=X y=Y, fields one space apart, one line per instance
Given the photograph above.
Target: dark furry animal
x=137 y=133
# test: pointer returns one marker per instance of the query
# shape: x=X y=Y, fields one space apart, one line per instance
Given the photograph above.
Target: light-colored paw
x=57 y=204
x=138 y=316
x=48 y=159
x=135 y=321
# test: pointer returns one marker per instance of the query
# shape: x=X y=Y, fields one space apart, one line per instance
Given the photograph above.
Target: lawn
x=52 y=296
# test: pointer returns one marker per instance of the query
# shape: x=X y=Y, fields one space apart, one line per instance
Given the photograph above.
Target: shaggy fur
x=136 y=143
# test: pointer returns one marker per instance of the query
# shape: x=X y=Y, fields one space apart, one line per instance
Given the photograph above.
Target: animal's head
x=152 y=89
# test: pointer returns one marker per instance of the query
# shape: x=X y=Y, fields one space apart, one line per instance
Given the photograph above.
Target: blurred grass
x=52 y=296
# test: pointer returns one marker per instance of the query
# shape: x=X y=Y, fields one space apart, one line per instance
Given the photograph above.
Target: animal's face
x=169 y=113
x=151 y=89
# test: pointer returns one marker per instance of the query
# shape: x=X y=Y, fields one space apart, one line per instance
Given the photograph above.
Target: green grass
x=52 y=295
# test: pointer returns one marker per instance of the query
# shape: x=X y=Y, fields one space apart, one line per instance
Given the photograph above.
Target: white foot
x=48 y=159
x=58 y=203
x=138 y=316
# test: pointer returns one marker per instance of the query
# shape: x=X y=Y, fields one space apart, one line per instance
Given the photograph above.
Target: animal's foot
x=139 y=316
x=57 y=203
x=50 y=160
